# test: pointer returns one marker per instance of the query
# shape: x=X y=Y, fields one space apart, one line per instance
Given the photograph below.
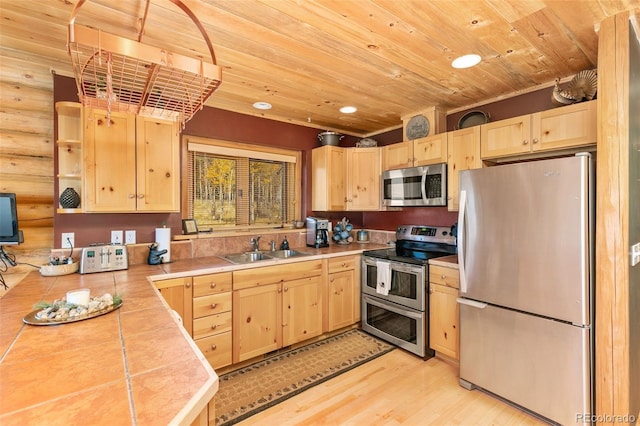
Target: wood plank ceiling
x=389 y=58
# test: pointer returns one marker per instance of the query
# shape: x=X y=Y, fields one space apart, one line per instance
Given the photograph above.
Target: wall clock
x=417 y=127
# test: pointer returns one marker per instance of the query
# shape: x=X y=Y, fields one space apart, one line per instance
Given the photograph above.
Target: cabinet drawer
x=211 y=284
x=274 y=274
x=445 y=276
x=345 y=263
x=212 y=304
x=217 y=349
x=211 y=325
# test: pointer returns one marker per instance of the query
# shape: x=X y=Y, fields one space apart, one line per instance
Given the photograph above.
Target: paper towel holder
x=189 y=226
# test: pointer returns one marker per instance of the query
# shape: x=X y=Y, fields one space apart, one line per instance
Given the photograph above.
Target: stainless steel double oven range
x=395 y=296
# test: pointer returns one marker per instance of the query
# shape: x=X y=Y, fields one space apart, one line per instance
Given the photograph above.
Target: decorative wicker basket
x=57 y=270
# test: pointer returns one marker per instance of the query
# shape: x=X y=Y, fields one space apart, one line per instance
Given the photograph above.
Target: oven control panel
x=433 y=234
x=103 y=258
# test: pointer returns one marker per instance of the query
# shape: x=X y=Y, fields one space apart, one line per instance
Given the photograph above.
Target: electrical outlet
x=68 y=240
x=129 y=237
x=116 y=237
x=635 y=254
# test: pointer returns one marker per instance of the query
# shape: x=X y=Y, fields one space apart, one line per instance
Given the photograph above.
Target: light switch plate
x=116 y=237
x=635 y=254
x=130 y=237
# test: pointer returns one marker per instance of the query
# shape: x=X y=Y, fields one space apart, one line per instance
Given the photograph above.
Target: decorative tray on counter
x=63 y=312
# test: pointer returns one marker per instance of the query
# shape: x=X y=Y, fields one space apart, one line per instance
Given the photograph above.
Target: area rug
x=248 y=391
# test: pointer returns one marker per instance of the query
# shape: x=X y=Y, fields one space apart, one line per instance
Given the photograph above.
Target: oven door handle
x=405 y=268
x=462 y=210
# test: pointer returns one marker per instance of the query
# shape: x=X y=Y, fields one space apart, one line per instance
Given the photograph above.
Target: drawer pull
x=443 y=276
x=213 y=285
x=214 y=326
x=214 y=347
x=214 y=305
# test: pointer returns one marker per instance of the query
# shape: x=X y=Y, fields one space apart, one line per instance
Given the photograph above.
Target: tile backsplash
x=212 y=245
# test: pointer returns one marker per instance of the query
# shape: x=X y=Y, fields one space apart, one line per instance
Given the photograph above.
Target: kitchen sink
x=256 y=256
x=284 y=254
x=247 y=257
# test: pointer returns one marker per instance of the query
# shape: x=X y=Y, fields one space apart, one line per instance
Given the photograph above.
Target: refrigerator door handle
x=472 y=303
x=462 y=205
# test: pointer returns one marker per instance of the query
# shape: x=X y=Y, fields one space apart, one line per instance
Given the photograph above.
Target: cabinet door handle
x=140 y=196
x=132 y=195
x=214 y=347
x=535 y=140
x=214 y=305
x=286 y=289
x=525 y=142
x=187 y=285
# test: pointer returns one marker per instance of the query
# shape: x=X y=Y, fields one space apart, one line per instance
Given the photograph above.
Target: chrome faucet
x=255 y=243
x=273 y=245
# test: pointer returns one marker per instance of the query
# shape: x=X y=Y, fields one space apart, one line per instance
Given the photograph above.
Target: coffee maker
x=317 y=232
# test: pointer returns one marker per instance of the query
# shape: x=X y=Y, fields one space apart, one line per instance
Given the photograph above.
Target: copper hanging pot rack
x=119 y=74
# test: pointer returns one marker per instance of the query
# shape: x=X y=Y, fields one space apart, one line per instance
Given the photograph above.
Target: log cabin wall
x=26 y=155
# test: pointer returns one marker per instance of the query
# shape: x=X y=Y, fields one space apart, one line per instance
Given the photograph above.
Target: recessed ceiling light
x=466 y=61
x=262 y=105
x=348 y=109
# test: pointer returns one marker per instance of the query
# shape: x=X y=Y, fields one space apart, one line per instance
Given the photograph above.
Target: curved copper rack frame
x=118 y=74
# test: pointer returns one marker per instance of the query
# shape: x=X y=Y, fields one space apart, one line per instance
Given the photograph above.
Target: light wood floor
x=397 y=388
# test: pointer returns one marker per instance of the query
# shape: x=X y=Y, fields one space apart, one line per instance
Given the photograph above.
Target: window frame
x=264 y=151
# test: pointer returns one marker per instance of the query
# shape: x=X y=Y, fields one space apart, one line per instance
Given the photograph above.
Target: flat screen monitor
x=9 y=232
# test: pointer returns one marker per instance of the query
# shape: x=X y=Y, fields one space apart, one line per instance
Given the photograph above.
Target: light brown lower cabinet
x=207 y=416
x=443 y=310
x=212 y=317
x=239 y=315
x=275 y=306
x=342 y=293
x=204 y=303
x=178 y=293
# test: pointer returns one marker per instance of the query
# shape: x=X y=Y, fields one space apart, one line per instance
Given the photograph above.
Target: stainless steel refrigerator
x=525 y=253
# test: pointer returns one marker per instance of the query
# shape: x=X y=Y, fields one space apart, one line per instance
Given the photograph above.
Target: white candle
x=79 y=297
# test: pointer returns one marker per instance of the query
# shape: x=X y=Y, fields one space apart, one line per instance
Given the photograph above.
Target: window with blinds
x=231 y=185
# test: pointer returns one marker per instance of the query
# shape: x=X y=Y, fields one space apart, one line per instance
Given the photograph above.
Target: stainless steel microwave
x=415 y=186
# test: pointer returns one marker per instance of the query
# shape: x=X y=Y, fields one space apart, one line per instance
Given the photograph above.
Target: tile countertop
x=135 y=365
x=446 y=261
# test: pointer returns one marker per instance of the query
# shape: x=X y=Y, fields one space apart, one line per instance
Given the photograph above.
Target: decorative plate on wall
x=417 y=127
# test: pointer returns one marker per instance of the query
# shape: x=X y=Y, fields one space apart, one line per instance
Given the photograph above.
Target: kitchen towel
x=383 y=281
x=163 y=238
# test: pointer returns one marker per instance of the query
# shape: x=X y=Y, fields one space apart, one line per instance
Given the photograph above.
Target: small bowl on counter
x=298 y=224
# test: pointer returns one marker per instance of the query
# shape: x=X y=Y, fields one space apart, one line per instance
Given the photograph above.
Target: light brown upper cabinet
x=572 y=126
x=363 y=179
x=132 y=164
x=345 y=179
x=463 y=147
x=417 y=152
x=430 y=150
x=397 y=155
